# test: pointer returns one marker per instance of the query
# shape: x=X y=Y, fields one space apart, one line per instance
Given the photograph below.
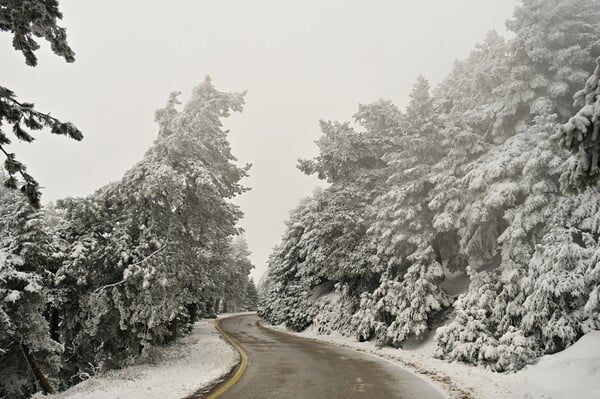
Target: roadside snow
x=193 y=363
x=573 y=373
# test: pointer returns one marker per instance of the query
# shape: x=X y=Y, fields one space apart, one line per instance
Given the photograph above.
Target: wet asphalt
x=285 y=366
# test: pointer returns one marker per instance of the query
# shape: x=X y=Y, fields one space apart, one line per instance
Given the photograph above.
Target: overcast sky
x=300 y=61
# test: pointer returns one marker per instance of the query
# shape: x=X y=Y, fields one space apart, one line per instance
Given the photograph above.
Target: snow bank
x=192 y=363
x=572 y=373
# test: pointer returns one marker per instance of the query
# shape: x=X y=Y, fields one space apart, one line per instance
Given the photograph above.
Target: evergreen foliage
x=580 y=136
x=93 y=283
x=250 y=296
x=27 y=19
x=466 y=183
x=26 y=345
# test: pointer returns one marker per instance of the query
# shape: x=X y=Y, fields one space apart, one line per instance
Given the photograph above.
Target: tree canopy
x=460 y=209
x=26 y=20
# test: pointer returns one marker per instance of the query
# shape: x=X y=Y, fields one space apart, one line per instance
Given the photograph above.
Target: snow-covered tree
x=26 y=20
x=408 y=292
x=470 y=336
x=326 y=246
x=152 y=251
x=580 y=136
x=466 y=181
x=29 y=357
x=548 y=59
x=235 y=282
x=542 y=260
x=250 y=296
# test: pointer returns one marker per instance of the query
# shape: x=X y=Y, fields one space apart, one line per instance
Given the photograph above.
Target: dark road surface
x=284 y=366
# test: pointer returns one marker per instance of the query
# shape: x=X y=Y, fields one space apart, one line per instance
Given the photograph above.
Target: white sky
x=300 y=61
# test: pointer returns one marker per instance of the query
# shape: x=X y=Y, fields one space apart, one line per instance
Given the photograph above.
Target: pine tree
x=152 y=251
x=465 y=181
x=235 y=282
x=326 y=243
x=285 y=300
x=470 y=336
x=250 y=296
x=29 y=357
x=548 y=59
x=404 y=227
x=580 y=136
x=25 y=20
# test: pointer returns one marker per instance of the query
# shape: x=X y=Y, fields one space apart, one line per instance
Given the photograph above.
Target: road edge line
x=241 y=369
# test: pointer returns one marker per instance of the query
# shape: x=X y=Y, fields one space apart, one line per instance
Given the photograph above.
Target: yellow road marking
x=240 y=370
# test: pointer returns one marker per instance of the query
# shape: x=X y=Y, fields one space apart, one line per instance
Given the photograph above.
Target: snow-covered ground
x=204 y=357
x=573 y=373
x=190 y=364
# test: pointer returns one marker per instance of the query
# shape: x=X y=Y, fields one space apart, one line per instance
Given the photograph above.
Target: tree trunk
x=37 y=372
x=436 y=249
x=193 y=312
x=174 y=326
x=53 y=325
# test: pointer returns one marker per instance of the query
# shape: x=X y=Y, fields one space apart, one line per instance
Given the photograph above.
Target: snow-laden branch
x=100 y=289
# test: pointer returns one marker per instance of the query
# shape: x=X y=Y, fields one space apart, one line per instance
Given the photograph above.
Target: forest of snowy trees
x=90 y=284
x=471 y=214
x=476 y=209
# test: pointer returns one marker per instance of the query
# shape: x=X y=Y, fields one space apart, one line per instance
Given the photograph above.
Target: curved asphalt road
x=284 y=366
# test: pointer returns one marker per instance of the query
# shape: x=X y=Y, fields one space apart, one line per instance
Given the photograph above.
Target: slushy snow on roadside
x=190 y=364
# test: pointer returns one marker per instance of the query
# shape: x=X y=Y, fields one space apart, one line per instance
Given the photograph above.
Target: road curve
x=284 y=366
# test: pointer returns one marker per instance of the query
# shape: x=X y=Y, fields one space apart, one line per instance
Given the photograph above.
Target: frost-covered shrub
x=364 y=322
x=289 y=305
x=334 y=312
x=537 y=307
x=556 y=291
x=515 y=351
x=397 y=310
x=300 y=309
x=470 y=336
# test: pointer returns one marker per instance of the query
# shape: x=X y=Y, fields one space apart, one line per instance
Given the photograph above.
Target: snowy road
x=285 y=366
